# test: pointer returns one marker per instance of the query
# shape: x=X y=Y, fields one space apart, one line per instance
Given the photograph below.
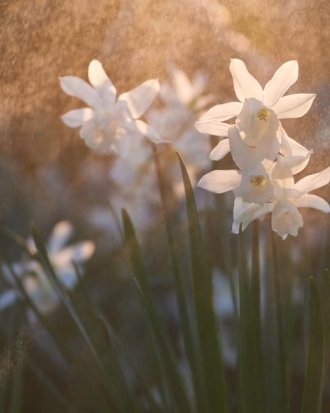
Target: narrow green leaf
x=312 y=397
x=17 y=389
x=45 y=380
x=250 y=354
x=173 y=379
x=213 y=369
x=281 y=366
x=104 y=379
x=325 y=294
x=188 y=326
x=63 y=350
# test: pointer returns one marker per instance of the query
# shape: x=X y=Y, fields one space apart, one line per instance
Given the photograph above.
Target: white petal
x=100 y=80
x=7 y=298
x=290 y=147
x=283 y=78
x=286 y=219
x=246 y=158
x=182 y=85
x=286 y=166
x=220 y=181
x=144 y=129
x=246 y=86
x=122 y=144
x=79 y=252
x=245 y=213
x=212 y=127
x=61 y=233
x=73 y=86
x=294 y=106
x=75 y=118
x=139 y=99
x=68 y=277
x=255 y=187
x=95 y=138
x=220 y=151
x=222 y=112
x=311 y=182
x=312 y=201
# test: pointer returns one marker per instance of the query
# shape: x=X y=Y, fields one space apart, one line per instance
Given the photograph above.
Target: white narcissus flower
x=288 y=197
x=61 y=257
x=246 y=86
x=180 y=101
x=186 y=92
x=107 y=123
x=250 y=186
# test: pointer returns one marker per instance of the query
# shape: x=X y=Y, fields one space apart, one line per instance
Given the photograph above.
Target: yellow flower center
x=258 y=180
x=263 y=114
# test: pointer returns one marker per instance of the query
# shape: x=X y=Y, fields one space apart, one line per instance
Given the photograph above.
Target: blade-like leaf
x=213 y=370
x=105 y=381
x=165 y=354
x=188 y=327
x=312 y=396
x=250 y=354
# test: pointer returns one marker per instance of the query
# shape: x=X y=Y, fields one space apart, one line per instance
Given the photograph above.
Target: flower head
x=271 y=99
x=107 y=123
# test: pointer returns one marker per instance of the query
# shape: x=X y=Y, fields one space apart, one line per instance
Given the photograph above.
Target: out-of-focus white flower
x=33 y=276
x=186 y=92
x=107 y=124
x=182 y=99
x=246 y=86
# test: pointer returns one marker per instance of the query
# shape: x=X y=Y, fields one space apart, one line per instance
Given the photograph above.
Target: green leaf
x=188 y=326
x=173 y=380
x=312 y=397
x=246 y=385
x=104 y=379
x=250 y=349
x=213 y=369
x=47 y=383
x=280 y=356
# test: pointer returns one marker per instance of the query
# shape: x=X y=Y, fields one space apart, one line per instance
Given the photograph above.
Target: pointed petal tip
x=95 y=61
x=199 y=126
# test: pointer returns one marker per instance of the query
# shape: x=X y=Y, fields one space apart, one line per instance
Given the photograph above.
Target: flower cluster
x=266 y=157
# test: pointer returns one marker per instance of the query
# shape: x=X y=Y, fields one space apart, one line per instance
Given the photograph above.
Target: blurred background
x=47 y=174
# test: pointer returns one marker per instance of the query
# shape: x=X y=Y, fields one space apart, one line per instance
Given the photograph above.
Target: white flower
x=250 y=186
x=288 y=197
x=108 y=123
x=185 y=92
x=286 y=219
x=180 y=100
x=246 y=86
x=32 y=274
